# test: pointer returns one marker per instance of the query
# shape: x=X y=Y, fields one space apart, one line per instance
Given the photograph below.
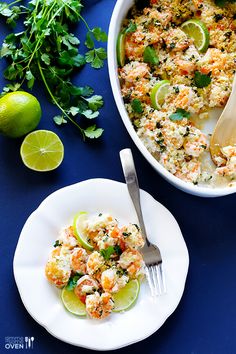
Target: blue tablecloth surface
x=205 y=320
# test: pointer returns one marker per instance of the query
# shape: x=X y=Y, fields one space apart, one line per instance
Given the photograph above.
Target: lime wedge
x=197 y=30
x=72 y=303
x=120 y=49
x=127 y=296
x=159 y=92
x=42 y=151
x=79 y=229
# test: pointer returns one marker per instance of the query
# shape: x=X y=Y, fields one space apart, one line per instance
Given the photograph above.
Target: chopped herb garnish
x=201 y=80
x=218 y=17
x=107 y=252
x=137 y=227
x=57 y=243
x=176 y=89
x=100 y=214
x=118 y=250
x=137 y=106
x=131 y=27
x=150 y=56
x=179 y=114
x=126 y=234
x=72 y=282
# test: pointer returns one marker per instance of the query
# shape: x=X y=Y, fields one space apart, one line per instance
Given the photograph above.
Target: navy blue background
x=205 y=320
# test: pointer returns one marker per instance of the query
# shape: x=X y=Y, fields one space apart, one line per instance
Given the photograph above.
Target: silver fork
x=151 y=253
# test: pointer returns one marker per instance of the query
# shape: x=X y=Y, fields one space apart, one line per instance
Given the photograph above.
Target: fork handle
x=131 y=179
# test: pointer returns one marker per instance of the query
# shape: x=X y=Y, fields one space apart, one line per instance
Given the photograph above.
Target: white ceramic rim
x=119 y=12
x=17 y=266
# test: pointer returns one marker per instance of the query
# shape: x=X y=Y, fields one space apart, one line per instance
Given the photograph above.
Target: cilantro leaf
x=150 y=56
x=81 y=91
x=89 y=41
x=46 y=59
x=72 y=282
x=59 y=120
x=74 y=110
x=88 y=113
x=95 y=102
x=99 y=35
x=68 y=59
x=201 y=80
x=107 y=252
x=96 y=57
x=179 y=114
x=93 y=132
x=137 y=106
x=131 y=27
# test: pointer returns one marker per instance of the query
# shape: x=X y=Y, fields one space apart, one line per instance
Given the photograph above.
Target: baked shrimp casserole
x=177 y=60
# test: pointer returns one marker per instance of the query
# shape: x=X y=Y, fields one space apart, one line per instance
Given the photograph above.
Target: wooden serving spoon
x=225 y=130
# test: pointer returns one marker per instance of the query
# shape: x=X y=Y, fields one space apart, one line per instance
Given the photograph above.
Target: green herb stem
x=55 y=101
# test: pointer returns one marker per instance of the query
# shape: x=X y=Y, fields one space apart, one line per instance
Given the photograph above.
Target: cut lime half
x=120 y=48
x=79 y=230
x=72 y=303
x=158 y=93
x=197 y=30
x=42 y=150
x=127 y=296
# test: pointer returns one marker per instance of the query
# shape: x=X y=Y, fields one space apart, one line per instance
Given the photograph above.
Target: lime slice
x=42 y=151
x=127 y=296
x=72 y=303
x=159 y=92
x=197 y=30
x=79 y=230
x=120 y=48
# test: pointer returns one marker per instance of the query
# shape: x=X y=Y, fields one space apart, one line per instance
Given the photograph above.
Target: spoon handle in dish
x=131 y=180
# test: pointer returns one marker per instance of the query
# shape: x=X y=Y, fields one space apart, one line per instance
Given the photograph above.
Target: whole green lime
x=20 y=113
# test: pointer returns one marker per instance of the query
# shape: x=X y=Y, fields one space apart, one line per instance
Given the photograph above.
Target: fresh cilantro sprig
x=150 y=56
x=110 y=250
x=46 y=50
x=179 y=114
x=201 y=80
x=131 y=28
x=72 y=282
x=137 y=106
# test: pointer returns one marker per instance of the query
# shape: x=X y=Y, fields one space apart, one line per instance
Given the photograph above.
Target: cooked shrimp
x=176 y=40
x=68 y=238
x=195 y=143
x=85 y=285
x=134 y=50
x=186 y=67
x=94 y=263
x=230 y=168
x=132 y=261
x=78 y=260
x=99 y=306
x=57 y=269
x=190 y=171
x=132 y=236
x=111 y=280
x=134 y=71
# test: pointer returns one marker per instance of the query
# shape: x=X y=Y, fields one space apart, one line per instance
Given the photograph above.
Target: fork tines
x=156 y=279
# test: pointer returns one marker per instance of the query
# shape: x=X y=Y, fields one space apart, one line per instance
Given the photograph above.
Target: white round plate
x=42 y=300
